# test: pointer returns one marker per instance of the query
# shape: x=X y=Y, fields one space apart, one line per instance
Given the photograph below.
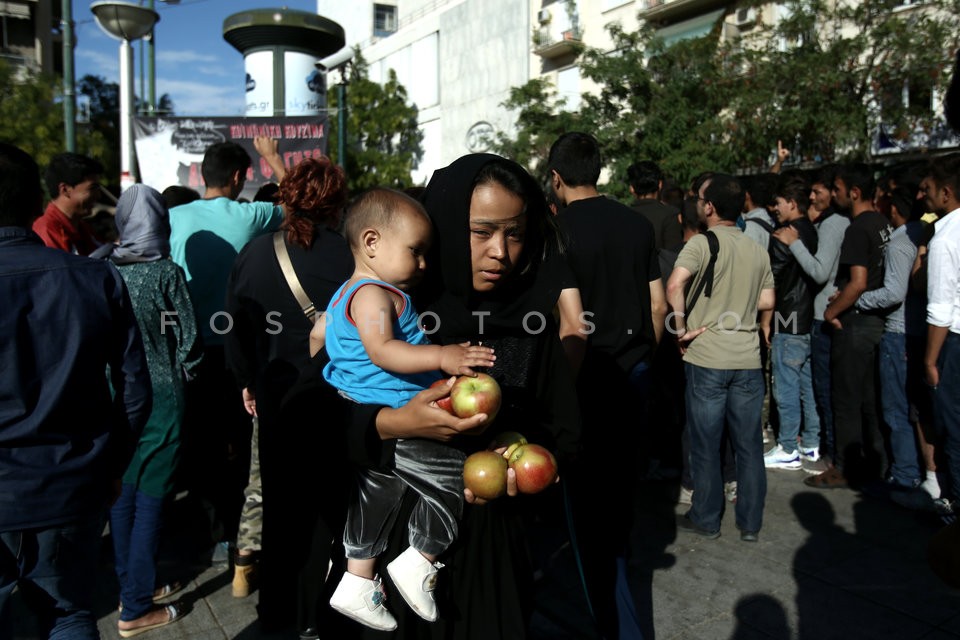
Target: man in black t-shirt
x=646 y=181
x=614 y=260
x=860 y=455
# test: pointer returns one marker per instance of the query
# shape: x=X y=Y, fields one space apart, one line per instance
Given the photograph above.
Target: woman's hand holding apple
x=422 y=418
x=511 y=489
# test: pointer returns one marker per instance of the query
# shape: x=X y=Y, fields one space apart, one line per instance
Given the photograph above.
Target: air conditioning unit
x=543 y=16
x=745 y=17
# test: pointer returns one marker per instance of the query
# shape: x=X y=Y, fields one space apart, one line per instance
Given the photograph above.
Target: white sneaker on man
x=362 y=599
x=779 y=458
x=415 y=578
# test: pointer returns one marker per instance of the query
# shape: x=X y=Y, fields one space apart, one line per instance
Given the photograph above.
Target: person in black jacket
x=304 y=486
x=65 y=439
x=790 y=345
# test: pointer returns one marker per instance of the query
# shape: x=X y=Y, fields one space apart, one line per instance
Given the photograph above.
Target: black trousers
x=305 y=485
x=216 y=444
x=854 y=354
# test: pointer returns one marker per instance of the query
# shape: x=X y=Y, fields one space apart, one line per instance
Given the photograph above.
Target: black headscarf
x=533 y=286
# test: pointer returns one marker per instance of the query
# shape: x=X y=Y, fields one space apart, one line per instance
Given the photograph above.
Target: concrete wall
x=483 y=54
x=457 y=59
x=355 y=16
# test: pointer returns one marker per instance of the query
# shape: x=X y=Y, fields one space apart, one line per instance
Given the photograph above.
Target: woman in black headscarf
x=494 y=276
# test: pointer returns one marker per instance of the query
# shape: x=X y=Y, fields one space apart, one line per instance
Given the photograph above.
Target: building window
x=384 y=20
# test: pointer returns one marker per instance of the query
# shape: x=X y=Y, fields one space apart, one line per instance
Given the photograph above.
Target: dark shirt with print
x=863 y=246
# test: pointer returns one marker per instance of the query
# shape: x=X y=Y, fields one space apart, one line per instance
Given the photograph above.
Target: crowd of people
x=278 y=359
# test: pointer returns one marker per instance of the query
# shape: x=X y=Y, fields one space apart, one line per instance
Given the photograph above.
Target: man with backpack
x=718 y=334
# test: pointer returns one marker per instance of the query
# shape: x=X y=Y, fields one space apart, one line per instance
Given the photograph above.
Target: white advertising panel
x=305 y=86
x=259 y=67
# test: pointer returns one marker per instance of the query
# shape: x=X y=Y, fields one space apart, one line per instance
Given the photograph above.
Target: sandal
x=173 y=614
x=829 y=479
x=167 y=590
x=162 y=592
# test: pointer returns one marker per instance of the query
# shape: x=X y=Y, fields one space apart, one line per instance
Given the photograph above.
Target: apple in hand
x=480 y=394
x=445 y=402
x=535 y=466
x=508 y=440
x=485 y=474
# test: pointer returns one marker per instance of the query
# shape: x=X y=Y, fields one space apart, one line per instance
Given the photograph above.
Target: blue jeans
x=793 y=391
x=820 y=367
x=905 y=468
x=946 y=407
x=135 y=528
x=60 y=561
x=713 y=397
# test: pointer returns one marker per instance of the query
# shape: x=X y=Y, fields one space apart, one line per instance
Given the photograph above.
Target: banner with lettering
x=170 y=149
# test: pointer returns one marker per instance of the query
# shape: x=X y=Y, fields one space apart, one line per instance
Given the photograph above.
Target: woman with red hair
x=268 y=352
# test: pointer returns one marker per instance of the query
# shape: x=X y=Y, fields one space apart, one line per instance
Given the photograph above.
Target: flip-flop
x=167 y=590
x=173 y=614
x=163 y=592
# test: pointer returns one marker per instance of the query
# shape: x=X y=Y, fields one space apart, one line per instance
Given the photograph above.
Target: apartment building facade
x=459 y=59
x=30 y=38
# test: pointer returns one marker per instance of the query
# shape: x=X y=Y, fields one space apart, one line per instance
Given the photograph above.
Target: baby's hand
x=458 y=359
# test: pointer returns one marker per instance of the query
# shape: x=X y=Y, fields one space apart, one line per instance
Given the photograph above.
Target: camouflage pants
x=251 y=517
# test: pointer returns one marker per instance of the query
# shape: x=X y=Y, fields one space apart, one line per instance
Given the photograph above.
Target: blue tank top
x=350 y=369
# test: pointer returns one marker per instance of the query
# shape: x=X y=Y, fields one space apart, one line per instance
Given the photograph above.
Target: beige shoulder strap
x=287 y=267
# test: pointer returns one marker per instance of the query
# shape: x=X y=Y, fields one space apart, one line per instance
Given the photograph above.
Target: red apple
x=535 y=466
x=471 y=396
x=445 y=403
x=485 y=474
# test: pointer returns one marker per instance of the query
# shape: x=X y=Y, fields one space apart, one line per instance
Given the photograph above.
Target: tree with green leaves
x=541 y=118
x=31 y=116
x=835 y=76
x=824 y=77
x=383 y=141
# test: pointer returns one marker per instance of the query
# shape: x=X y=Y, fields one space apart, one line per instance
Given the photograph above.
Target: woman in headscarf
x=268 y=351
x=494 y=275
x=161 y=302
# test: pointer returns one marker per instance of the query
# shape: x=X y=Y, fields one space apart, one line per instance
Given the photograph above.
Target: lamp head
x=124 y=20
x=335 y=61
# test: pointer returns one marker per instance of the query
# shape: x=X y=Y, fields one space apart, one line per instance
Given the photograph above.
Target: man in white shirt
x=941 y=189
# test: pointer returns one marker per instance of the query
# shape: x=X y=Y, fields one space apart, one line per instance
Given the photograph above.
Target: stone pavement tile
x=939 y=634
x=711 y=579
x=760 y=616
x=728 y=589
x=906 y=586
x=199 y=621
x=823 y=610
x=951 y=626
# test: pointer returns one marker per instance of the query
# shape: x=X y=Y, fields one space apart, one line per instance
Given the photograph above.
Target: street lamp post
x=69 y=83
x=126 y=22
x=340 y=61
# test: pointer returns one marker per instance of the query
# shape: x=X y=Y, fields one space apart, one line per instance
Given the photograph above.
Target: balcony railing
x=21 y=64
x=550 y=43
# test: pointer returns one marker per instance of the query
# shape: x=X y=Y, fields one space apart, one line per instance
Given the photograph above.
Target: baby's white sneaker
x=362 y=600
x=415 y=578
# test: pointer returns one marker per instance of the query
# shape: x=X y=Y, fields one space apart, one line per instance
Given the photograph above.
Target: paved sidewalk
x=829 y=564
